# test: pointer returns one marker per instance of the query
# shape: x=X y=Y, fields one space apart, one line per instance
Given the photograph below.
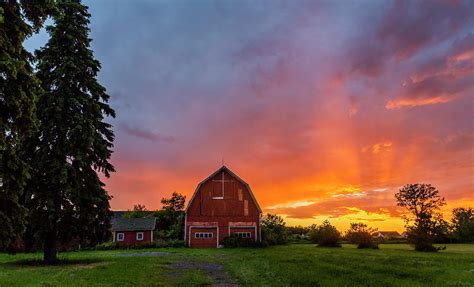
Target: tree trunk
x=50 y=252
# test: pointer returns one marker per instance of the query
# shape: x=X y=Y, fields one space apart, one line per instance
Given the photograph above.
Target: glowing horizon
x=325 y=108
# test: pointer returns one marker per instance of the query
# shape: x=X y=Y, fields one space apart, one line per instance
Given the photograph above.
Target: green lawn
x=291 y=265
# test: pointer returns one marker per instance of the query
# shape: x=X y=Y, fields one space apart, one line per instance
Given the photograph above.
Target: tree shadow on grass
x=62 y=262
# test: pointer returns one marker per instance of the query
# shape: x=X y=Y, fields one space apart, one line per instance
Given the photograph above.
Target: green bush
x=298 y=239
x=361 y=234
x=325 y=235
x=463 y=224
x=176 y=243
x=273 y=230
x=232 y=242
x=158 y=243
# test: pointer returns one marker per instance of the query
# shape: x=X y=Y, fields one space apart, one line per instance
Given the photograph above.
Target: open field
x=291 y=265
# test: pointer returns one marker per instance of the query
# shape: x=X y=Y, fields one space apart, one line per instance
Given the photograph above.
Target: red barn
x=222 y=205
x=131 y=231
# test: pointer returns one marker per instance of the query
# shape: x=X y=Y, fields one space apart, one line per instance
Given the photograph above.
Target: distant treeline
x=459 y=230
x=424 y=226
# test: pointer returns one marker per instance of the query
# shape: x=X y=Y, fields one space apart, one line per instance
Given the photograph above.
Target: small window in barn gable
x=139 y=236
x=246 y=207
x=241 y=196
x=120 y=236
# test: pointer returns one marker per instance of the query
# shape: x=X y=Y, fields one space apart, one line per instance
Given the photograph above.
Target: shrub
x=325 y=235
x=158 y=243
x=463 y=224
x=361 y=235
x=273 y=230
x=176 y=243
x=298 y=239
x=104 y=246
x=232 y=242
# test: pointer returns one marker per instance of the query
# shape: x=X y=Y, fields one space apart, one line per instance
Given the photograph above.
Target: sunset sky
x=326 y=108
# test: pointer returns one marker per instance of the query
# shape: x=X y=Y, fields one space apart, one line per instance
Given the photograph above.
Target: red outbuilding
x=131 y=231
x=222 y=205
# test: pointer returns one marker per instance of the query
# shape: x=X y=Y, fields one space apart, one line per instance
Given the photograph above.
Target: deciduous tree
x=175 y=203
x=463 y=224
x=171 y=215
x=423 y=203
x=138 y=211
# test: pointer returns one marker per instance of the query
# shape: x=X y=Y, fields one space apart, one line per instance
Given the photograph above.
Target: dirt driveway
x=215 y=271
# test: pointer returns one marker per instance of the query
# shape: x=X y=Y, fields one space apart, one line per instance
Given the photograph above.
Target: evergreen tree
x=66 y=198
x=18 y=92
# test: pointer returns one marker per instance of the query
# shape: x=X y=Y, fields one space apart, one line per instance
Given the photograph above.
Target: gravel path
x=220 y=278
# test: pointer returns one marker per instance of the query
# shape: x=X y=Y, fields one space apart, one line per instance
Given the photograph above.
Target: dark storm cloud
x=410 y=25
x=407 y=27
x=144 y=134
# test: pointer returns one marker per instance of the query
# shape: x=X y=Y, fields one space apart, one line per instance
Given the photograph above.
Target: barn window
x=246 y=207
x=243 y=234
x=203 y=235
x=139 y=236
x=120 y=236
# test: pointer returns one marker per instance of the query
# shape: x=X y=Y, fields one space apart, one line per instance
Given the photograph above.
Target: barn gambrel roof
x=224 y=168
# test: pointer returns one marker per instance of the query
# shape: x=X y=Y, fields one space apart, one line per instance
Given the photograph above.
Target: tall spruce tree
x=66 y=198
x=18 y=92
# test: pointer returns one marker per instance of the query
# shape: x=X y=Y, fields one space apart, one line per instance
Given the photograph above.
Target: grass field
x=291 y=265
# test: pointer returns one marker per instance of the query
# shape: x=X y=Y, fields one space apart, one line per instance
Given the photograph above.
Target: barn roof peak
x=226 y=169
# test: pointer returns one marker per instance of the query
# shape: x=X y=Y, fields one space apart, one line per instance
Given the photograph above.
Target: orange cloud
x=403 y=103
x=378 y=147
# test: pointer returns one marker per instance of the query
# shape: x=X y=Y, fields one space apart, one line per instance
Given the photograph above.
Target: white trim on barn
x=185 y=227
x=205 y=235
